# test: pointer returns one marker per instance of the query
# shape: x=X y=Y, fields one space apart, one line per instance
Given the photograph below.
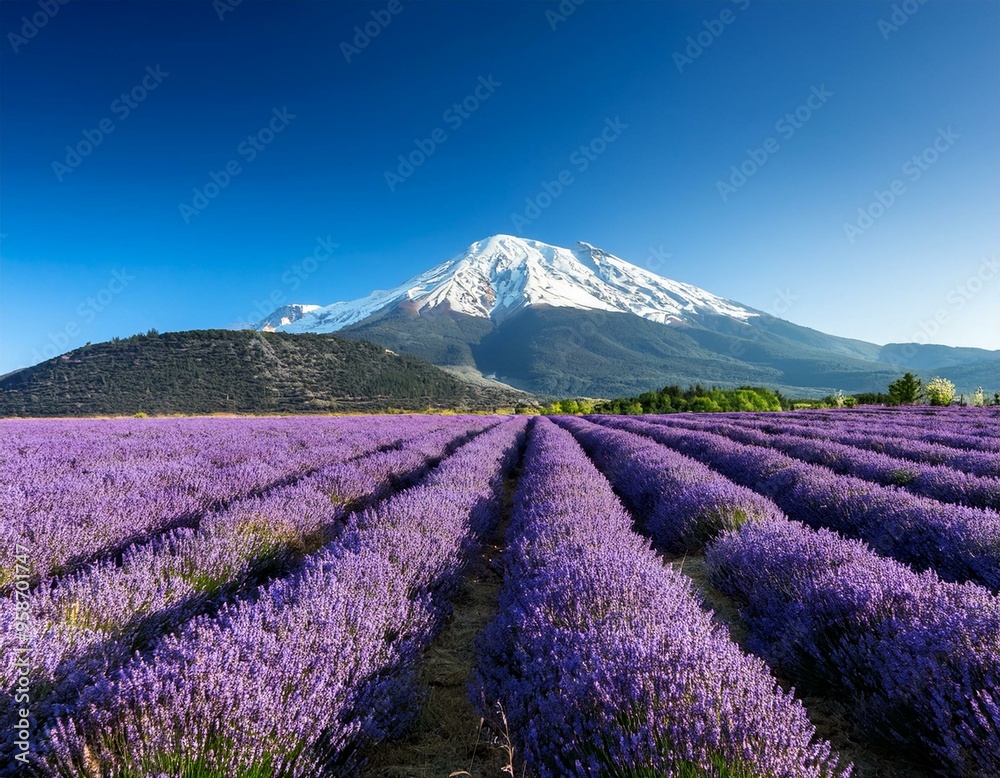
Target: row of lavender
x=937 y=481
x=121 y=716
x=879 y=434
x=960 y=543
x=265 y=685
x=88 y=624
x=313 y=623
x=929 y=420
x=75 y=493
x=297 y=678
x=937 y=437
x=601 y=657
x=957 y=423
x=915 y=659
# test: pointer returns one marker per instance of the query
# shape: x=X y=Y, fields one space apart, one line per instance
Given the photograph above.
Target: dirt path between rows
x=450 y=736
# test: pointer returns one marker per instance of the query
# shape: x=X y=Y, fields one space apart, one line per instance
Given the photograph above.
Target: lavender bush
x=881 y=436
x=89 y=623
x=928 y=480
x=960 y=543
x=322 y=664
x=75 y=491
x=602 y=658
x=972 y=429
x=916 y=659
x=681 y=503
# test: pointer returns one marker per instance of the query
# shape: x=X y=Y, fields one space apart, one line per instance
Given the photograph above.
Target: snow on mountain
x=285 y=315
x=496 y=277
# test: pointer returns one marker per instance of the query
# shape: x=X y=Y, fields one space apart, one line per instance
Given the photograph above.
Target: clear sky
x=213 y=147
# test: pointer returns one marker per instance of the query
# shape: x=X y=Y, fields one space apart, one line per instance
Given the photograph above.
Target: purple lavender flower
x=601 y=657
x=917 y=660
x=958 y=542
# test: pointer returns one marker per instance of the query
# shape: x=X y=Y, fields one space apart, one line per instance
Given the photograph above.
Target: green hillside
x=223 y=371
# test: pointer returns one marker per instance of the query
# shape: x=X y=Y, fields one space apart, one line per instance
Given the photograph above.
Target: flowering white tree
x=940 y=391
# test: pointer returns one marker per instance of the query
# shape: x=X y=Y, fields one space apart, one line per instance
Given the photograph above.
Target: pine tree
x=906 y=391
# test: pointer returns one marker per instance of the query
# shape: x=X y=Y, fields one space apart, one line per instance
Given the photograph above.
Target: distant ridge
x=223 y=371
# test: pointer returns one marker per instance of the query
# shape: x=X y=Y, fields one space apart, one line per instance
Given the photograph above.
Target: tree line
x=908 y=390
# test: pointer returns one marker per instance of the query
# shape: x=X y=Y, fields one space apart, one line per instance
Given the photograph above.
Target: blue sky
x=294 y=125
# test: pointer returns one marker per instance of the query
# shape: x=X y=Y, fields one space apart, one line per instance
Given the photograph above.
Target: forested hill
x=223 y=371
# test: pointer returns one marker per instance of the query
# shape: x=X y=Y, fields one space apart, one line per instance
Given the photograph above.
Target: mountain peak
x=495 y=277
x=284 y=315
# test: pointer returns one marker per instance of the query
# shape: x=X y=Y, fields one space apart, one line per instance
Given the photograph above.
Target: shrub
x=835 y=400
x=704 y=405
x=940 y=391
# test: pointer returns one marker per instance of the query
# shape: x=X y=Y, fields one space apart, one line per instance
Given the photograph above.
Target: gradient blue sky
x=777 y=243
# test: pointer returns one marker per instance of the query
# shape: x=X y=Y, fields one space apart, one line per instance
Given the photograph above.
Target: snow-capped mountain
x=496 y=277
x=285 y=315
x=581 y=321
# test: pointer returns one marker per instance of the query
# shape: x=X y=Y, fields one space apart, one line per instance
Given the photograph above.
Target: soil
x=451 y=738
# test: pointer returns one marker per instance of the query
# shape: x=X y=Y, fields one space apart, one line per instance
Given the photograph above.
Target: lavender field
x=734 y=595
